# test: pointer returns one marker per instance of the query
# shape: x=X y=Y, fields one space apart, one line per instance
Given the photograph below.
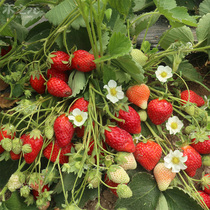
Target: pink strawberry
x=194 y=160
x=163 y=176
x=58 y=87
x=201 y=145
x=59 y=74
x=37 y=82
x=205 y=183
x=148 y=154
x=192 y=97
x=159 y=111
x=6 y=131
x=59 y=60
x=205 y=198
x=52 y=150
x=83 y=61
x=138 y=95
x=132 y=121
x=81 y=104
x=64 y=130
x=119 y=139
x=35 y=140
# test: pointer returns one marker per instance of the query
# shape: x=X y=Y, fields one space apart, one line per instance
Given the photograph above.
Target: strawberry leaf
x=162 y=203
x=204 y=7
x=123 y=6
x=145 y=193
x=177 y=198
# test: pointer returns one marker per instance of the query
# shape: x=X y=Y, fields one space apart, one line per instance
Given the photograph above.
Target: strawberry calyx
x=200 y=135
x=36 y=134
x=9 y=128
x=26 y=148
x=205 y=181
x=6 y=143
x=17 y=145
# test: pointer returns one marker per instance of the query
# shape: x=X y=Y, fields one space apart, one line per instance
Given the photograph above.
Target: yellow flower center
x=78 y=118
x=113 y=91
x=175 y=160
x=174 y=125
x=163 y=74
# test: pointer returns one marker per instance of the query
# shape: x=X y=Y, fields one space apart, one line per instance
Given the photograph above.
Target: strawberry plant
x=92 y=109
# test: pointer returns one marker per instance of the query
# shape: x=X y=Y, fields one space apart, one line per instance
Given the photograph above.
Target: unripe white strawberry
x=163 y=176
x=94 y=178
x=15 y=181
x=117 y=174
x=143 y=115
x=49 y=131
x=123 y=191
x=126 y=160
x=139 y=56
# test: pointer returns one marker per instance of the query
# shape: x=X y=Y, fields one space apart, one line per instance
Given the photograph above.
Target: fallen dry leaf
x=3 y=85
x=5 y=102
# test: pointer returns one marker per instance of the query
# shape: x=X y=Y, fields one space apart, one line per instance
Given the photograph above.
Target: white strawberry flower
x=163 y=73
x=79 y=117
x=174 y=125
x=175 y=161
x=115 y=92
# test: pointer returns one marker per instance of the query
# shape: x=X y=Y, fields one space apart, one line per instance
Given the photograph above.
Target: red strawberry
x=59 y=74
x=192 y=97
x=159 y=111
x=163 y=176
x=52 y=150
x=138 y=95
x=64 y=130
x=6 y=131
x=119 y=139
x=37 y=82
x=35 y=140
x=205 y=183
x=14 y=156
x=194 y=160
x=58 y=87
x=148 y=154
x=60 y=61
x=132 y=121
x=83 y=61
x=206 y=198
x=36 y=193
x=81 y=104
x=202 y=146
x=5 y=50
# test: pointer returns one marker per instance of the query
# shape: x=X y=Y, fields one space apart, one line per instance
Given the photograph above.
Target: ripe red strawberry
x=64 y=130
x=58 y=87
x=36 y=192
x=52 y=150
x=206 y=198
x=132 y=121
x=119 y=139
x=83 y=61
x=5 y=50
x=148 y=154
x=35 y=140
x=205 y=183
x=194 y=160
x=201 y=145
x=37 y=82
x=6 y=131
x=159 y=111
x=192 y=97
x=14 y=156
x=59 y=60
x=138 y=95
x=163 y=176
x=81 y=104
x=59 y=74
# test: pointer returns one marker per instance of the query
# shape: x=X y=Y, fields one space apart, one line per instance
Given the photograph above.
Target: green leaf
x=122 y=6
x=175 y=14
x=203 y=29
x=21 y=31
x=108 y=73
x=58 y=14
x=189 y=72
x=76 y=82
x=162 y=203
x=118 y=46
x=131 y=67
x=141 y=4
x=183 y=34
x=179 y=199
x=15 y=202
x=145 y=193
x=144 y=22
x=204 y=7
